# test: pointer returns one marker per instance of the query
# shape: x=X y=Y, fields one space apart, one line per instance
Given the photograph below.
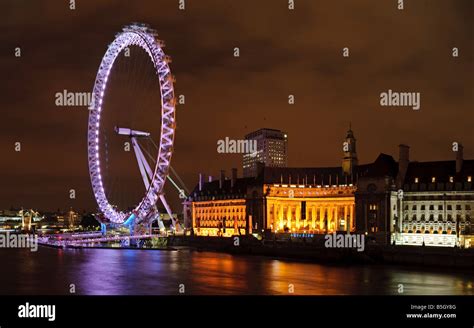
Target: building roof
x=383 y=166
x=211 y=189
x=303 y=175
x=441 y=170
x=269 y=133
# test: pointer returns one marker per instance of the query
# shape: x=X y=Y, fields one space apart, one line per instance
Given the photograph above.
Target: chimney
x=234 y=177
x=222 y=179
x=200 y=181
x=210 y=178
x=459 y=158
x=403 y=160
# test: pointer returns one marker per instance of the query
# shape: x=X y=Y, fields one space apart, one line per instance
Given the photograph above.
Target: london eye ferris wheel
x=153 y=169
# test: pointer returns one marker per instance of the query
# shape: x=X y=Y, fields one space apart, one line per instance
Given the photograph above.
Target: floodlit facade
x=390 y=202
x=218 y=208
x=276 y=200
x=436 y=205
x=309 y=208
x=219 y=218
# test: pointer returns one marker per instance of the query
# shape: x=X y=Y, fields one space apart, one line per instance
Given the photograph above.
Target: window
x=416 y=180
x=422 y=207
x=431 y=207
x=414 y=208
x=433 y=179
x=469 y=179
x=450 y=207
x=451 y=179
x=440 y=207
x=458 y=207
x=468 y=207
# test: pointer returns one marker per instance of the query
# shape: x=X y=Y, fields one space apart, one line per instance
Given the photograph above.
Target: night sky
x=282 y=52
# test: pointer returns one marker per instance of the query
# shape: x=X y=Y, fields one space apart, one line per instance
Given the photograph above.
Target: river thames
x=52 y=271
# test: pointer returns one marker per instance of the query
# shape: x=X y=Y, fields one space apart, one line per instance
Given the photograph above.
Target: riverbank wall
x=317 y=252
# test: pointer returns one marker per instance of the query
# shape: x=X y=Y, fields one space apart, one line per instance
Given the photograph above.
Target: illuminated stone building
x=218 y=208
x=272 y=149
x=279 y=200
x=276 y=199
x=406 y=203
x=435 y=207
x=416 y=203
x=308 y=200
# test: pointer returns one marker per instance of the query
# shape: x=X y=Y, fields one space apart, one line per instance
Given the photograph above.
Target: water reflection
x=131 y=272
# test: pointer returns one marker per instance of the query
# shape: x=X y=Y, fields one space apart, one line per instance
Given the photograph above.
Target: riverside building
x=403 y=203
